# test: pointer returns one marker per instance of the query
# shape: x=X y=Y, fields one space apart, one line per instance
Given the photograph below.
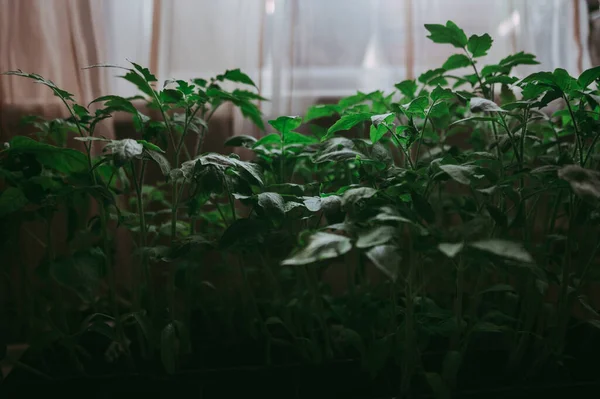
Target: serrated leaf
x=377 y=133
x=417 y=106
x=64 y=160
x=347 y=122
x=439 y=94
x=520 y=58
x=450 y=34
x=478 y=46
x=407 y=87
x=456 y=61
x=321 y=246
x=272 y=138
x=236 y=75
x=321 y=111
x=285 y=124
x=298 y=138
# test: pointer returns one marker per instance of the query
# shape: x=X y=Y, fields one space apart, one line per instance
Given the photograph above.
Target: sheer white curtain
x=301 y=51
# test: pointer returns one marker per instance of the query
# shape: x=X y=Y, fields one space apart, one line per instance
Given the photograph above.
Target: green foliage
x=452 y=205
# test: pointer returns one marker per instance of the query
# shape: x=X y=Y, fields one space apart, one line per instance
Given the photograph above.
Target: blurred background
x=298 y=51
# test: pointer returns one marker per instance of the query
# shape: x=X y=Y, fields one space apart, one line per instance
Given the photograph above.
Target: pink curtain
x=56 y=39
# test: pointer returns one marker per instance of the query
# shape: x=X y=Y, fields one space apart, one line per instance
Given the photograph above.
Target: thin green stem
x=578 y=143
x=406 y=155
x=423 y=132
x=484 y=89
x=203 y=130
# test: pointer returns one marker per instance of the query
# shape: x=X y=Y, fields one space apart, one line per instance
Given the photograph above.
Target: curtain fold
x=298 y=51
x=55 y=39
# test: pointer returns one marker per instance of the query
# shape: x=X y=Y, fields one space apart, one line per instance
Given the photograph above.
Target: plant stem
x=592 y=145
x=406 y=155
x=423 y=132
x=578 y=143
x=483 y=88
x=202 y=133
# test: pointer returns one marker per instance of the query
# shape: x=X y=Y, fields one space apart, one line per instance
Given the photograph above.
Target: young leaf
x=298 y=138
x=149 y=146
x=456 y=61
x=386 y=258
x=503 y=248
x=142 y=84
x=38 y=79
x=588 y=77
x=321 y=246
x=407 y=87
x=450 y=34
x=428 y=76
x=347 y=122
x=377 y=133
x=321 y=111
x=272 y=138
x=520 y=58
x=417 y=106
x=236 y=75
x=439 y=94
x=479 y=45
x=285 y=124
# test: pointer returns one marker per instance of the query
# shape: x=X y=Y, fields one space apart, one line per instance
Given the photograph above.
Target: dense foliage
x=449 y=213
